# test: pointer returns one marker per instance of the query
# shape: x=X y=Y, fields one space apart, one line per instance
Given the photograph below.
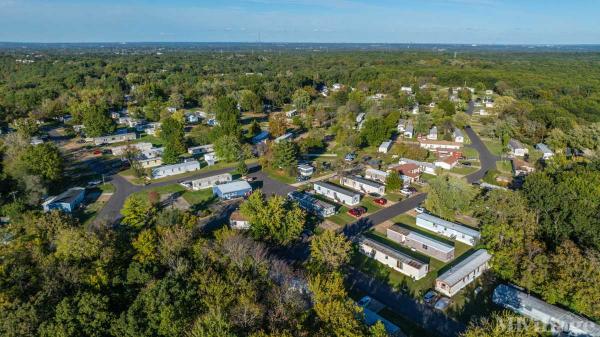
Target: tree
x=301 y=99
x=44 y=160
x=394 y=182
x=254 y=128
x=375 y=131
x=329 y=251
x=173 y=135
x=26 y=126
x=285 y=155
x=249 y=101
x=131 y=155
x=176 y=100
x=275 y=219
x=448 y=195
x=228 y=148
x=242 y=168
x=277 y=124
x=228 y=117
x=137 y=212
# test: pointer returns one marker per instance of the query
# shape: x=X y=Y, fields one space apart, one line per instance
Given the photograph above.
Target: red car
x=380 y=201
x=357 y=212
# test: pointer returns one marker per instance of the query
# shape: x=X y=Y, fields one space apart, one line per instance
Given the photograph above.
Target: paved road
x=111 y=212
x=487 y=160
x=470 y=108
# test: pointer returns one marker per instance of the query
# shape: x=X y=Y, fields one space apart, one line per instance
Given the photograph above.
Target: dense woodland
x=157 y=275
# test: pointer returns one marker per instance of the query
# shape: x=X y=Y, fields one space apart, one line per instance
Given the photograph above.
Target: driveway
x=486 y=158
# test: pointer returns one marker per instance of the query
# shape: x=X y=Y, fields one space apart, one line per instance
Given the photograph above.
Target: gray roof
x=392 y=252
x=336 y=188
x=534 y=308
x=458 y=133
x=362 y=180
x=235 y=186
x=438 y=245
x=515 y=144
x=67 y=196
x=307 y=199
x=444 y=223
x=544 y=148
x=466 y=266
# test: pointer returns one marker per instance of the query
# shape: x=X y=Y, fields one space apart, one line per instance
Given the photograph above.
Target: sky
x=323 y=21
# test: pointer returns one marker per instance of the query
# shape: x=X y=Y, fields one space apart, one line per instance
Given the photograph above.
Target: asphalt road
x=486 y=158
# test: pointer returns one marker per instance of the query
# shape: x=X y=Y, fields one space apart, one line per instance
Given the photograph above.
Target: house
x=120 y=150
x=305 y=170
x=421 y=243
x=517 y=148
x=238 y=221
x=424 y=167
x=36 y=141
x=152 y=128
x=171 y=170
x=261 y=137
x=67 y=201
x=393 y=258
x=291 y=113
x=336 y=87
x=360 y=117
x=312 y=204
x=442 y=146
x=545 y=150
x=463 y=273
x=521 y=168
x=448 y=229
x=447 y=162
x=337 y=193
x=363 y=185
x=401 y=126
x=433 y=133
x=281 y=138
x=561 y=322
x=150 y=162
x=207 y=182
x=115 y=138
x=409 y=130
x=210 y=158
x=415 y=109
x=409 y=172
x=152 y=152
x=376 y=175
x=232 y=190
x=195 y=150
x=458 y=136
x=407 y=90
x=385 y=146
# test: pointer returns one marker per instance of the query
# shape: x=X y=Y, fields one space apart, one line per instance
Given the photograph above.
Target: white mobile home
x=393 y=258
x=385 y=146
x=545 y=150
x=439 y=145
x=171 y=170
x=458 y=136
x=463 y=273
x=517 y=148
x=433 y=133
x=150 y=162
x=120 y=150
x=312 y=204
x=194 y=150
x=286 y=136
x=560 y=321
x=337 y=193
x=448 y=229
x=362 y=185
x=376 y=175
x=409 y=130
x=207 y=182
x=115 y=138
x=421 y=243
x=424 y=167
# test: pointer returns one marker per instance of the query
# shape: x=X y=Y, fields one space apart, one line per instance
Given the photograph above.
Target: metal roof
x=392 y=252
x=534 y=308
x=336 y=189
x=67 y=196
x=438 y=245
x=362 y=180
x=544 y=148
x=465 y=267
x=235 y=186
x=444 y=223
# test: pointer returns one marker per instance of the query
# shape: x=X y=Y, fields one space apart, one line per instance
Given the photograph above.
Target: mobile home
x=463 y=273
x=312 y=204
x=421 y=243
x=448 y=229
x=393 y=258
x=337 y=193
x=362 y=185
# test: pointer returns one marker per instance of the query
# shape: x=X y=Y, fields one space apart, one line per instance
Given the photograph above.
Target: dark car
x=357 y=212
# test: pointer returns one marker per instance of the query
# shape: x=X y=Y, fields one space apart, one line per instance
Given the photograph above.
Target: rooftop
x=362 y=180
x=515 y=144
x=336 y=188
x=234 y=186
x=389 y=251
x=448 y=224
x=464 y=267
x=438 y=245
x=67 y=196
x=544 y=148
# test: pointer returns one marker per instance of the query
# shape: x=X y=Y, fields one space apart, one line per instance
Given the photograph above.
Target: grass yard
x=107 y=188
x=464 y=170
x=280 y=176
x=195 y=198
x=504 y=166
x=427 y=177
x=494 y=146
x=470 y=152
x=342 y=217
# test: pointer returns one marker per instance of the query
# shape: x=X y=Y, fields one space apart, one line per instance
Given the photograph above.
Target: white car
x=420 y=210
x=94 y=183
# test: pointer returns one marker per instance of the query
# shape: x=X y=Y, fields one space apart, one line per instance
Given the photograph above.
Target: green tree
x=375 y=131
x=228 y=148
x=448 y=195
x=242 y=168
x=277 y=124
x=301 y=99
x=137 y=212
x=329 y=251
x=504 y=324
x=394 y=182
x=172 y=134
x=285 y=155
x=44 y=160
x=26 y=126
x=228 y=117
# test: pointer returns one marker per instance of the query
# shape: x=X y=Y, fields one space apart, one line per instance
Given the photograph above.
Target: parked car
x=405 y=191
x=94 y=183
x=302 y=178
x=350 y=157
x=97 y=152
x=357 y=212
x=380 y=201
x=364 y=302
x=430 y=297
x=419 y=210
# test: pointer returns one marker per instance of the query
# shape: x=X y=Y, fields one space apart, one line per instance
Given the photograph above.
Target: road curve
x=486 y=158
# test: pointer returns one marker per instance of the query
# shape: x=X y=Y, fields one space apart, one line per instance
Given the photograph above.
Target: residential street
x=487 y=160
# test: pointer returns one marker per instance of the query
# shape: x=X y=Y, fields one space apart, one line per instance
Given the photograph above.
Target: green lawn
x=195 y=198
x=280 y=176
x=470 y=152
x=464 y=170
x=504 y=166
x=107 y=188
x=427 y=177
x=342 y=217
x=494 y=146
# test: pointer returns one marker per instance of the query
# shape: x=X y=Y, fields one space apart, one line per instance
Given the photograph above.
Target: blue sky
x=391 y=21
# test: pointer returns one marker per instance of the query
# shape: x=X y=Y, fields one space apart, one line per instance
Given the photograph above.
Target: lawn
x=464 y=170
x=504 y=166
x=342 y=217
x=279 y=175
x=494 y=146
x=107 y=188
x=470 y=152
x=195 y=198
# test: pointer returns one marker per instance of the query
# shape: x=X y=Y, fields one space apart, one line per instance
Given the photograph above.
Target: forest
x=158 y=275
